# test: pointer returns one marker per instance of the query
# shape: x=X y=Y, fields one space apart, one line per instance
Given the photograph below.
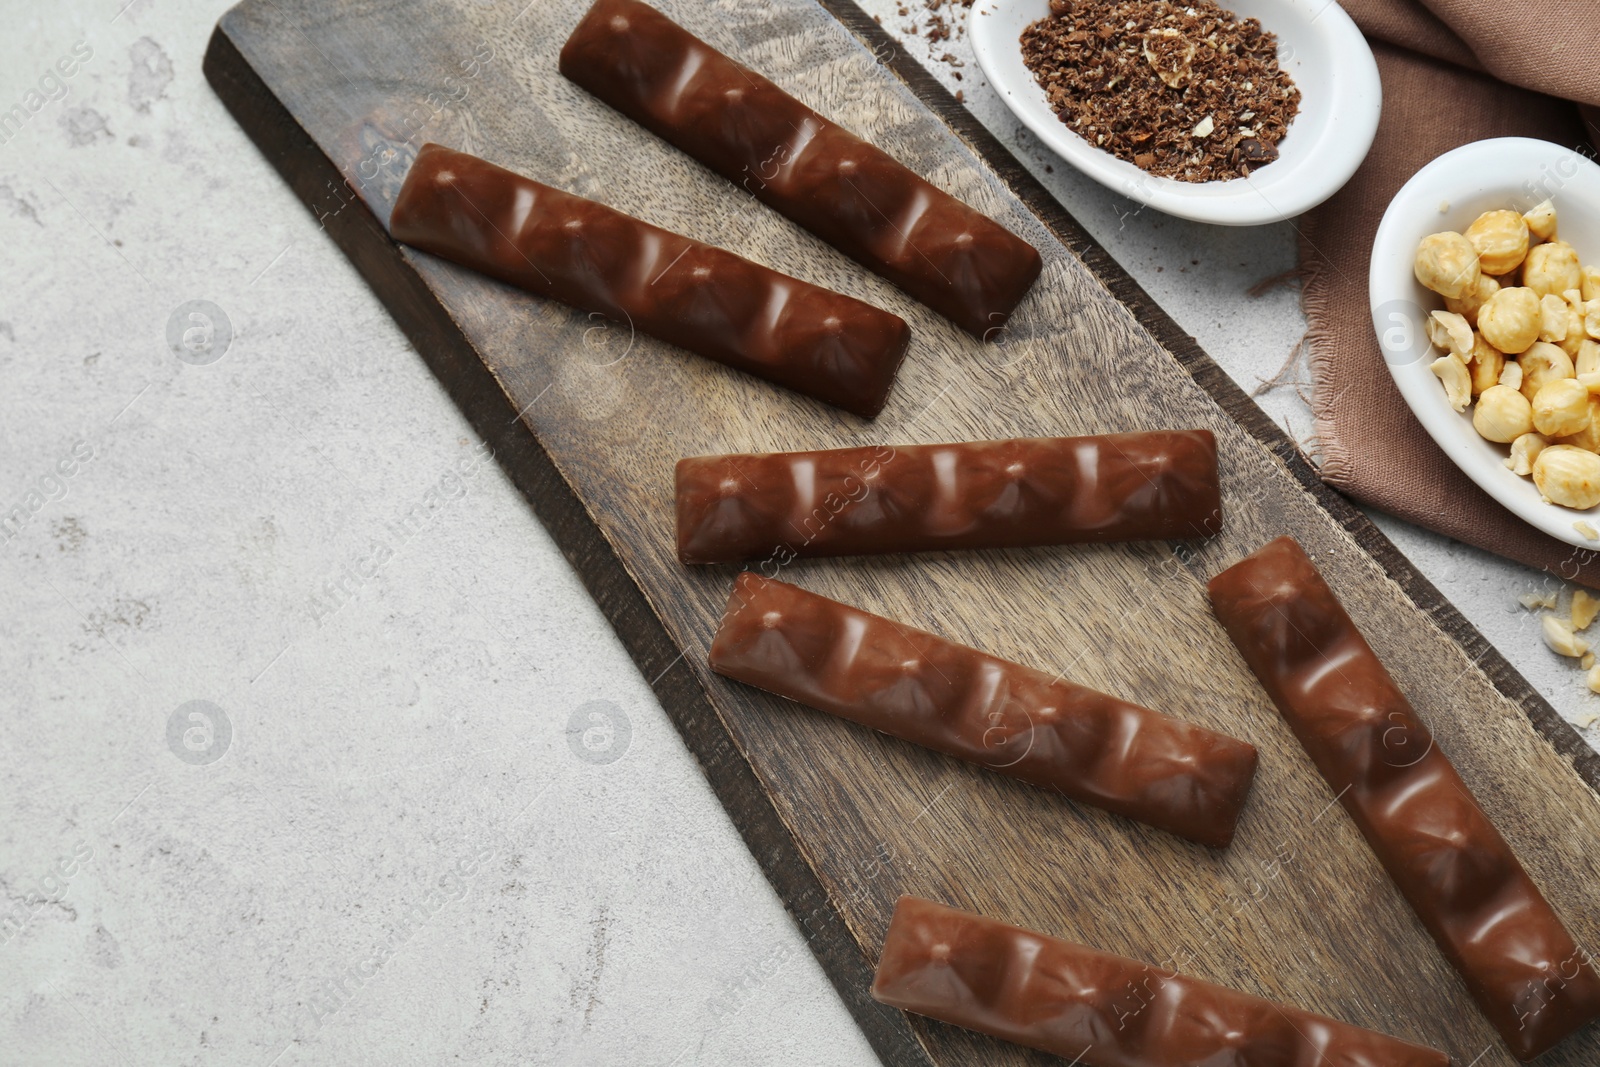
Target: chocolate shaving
x=1185 y=91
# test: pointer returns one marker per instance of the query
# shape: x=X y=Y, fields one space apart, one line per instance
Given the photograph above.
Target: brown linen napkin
x=1435 y=98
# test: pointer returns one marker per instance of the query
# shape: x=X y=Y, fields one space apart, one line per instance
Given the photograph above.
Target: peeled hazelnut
x=1502 y=414
x=1447 y=263
x=1542 y=364
x=1552 y=268
x=1590 y=286
x=1511 y=318
x=1541 y=220
x=1587 y=438
x=1561 y=408
x=1568 y=476
x=1501 y=238
x=1487 y=364
x=1458 y=384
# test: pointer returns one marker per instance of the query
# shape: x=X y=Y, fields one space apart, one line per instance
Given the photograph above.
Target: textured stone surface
x=426 y=806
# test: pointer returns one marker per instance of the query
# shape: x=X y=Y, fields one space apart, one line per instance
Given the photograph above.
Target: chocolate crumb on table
x=1187 y=91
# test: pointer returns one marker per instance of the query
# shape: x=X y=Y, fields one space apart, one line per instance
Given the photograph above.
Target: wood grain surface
x=588 y=420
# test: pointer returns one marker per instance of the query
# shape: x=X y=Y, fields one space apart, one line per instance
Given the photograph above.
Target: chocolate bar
x=1102 y=1010
x=1535 y=984
x=923 y=498
x=852 y=195
x=693 y=295
x=1009 y=718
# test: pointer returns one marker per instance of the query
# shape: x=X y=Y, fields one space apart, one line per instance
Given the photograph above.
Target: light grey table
x=312 y=748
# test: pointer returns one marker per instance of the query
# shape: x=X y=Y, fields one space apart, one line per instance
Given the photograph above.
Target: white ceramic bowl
x=1320 y=47
x=1447 y=194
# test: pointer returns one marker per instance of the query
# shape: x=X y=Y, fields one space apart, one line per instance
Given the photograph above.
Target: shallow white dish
x=1447 y=194
x=1320 y=47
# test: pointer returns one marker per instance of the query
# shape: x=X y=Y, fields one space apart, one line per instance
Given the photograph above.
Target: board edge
x=293 y=152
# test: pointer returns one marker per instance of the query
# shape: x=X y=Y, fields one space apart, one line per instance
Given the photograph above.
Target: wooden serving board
x=588 y=422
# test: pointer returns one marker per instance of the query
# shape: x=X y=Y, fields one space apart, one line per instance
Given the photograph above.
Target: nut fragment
x=1501 y=238
x=1170 y=55
x=1559 y=636
x=1593 y=682
x=1552 y=268
x=1568 y=476
x=1452 y=333
x=1541 y=220
x=1538 y=600
x=1448 y=264
x=1588 y=657
x=1511 y=318
x=1524 y=450
x=1502 y=414
x=1542 y=364
x=1458 y=383
x=1584 y=609
x=1511 y=375
x=1554 y=311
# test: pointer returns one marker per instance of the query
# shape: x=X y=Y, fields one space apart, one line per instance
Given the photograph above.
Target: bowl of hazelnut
x=1485 y=295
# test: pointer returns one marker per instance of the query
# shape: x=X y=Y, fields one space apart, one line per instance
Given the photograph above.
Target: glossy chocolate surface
x=852 y=195
x=921 y=498
x=694 y=295
x=1101 y=1010
x=1461 y=878
x=1013 y=719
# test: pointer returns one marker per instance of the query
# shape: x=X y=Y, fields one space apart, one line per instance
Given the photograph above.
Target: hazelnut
x=1487 y=364
x=1552 y=268
x=1587 y=438
x=1501 y=238
x=1511 y=318
x=1502 y=414
x=1541 y=365
x=1568 y=476
x=1561 y=408
x=1447 y=263
x=1590 y=286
